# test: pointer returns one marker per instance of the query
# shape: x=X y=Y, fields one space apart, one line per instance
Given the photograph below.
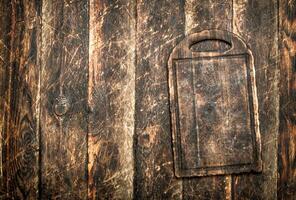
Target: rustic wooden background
x=109 y=59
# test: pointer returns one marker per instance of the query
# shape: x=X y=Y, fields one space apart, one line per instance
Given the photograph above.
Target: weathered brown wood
x=5 y=26
x=128 y=69
x=64 y=77
x=287 y=132
x=111 y=99
x=257 y=22
x=5 y=23
x=160 y=25
x=201 y=15
x=20 y=30
x=214 y=107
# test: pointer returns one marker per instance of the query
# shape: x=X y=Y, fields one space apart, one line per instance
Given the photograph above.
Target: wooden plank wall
x=64 y=74
x=20 y=23
x=111 y=100
x=287 y=131
x=5 y=22
x=109 y=60
x=160 y=25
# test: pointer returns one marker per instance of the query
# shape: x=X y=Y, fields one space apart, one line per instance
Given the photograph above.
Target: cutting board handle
x=214 y=43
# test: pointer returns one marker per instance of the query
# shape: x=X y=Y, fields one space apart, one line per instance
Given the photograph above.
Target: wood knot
x=62 y=105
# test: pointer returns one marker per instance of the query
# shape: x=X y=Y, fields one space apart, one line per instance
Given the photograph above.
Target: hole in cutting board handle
x=211 y=45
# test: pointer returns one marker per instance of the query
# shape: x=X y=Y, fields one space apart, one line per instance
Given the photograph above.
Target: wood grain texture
x=287 y=131
x=201 y=15
x=111 y=99
x=19 y=95
x=64 y=74
x=101 y=69
x=160 y=25
x=257 y=22
x=5 y=23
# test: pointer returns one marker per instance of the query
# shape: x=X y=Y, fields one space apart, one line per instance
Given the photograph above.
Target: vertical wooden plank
x=160 y=25
x=5 y=25
x=19 y=92
x=287 y=134
x=111 y=99
x=64 y=79
x=257 y=22
x=201 y=15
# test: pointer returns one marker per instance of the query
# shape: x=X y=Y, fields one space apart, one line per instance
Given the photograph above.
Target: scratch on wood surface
x=228 y=189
